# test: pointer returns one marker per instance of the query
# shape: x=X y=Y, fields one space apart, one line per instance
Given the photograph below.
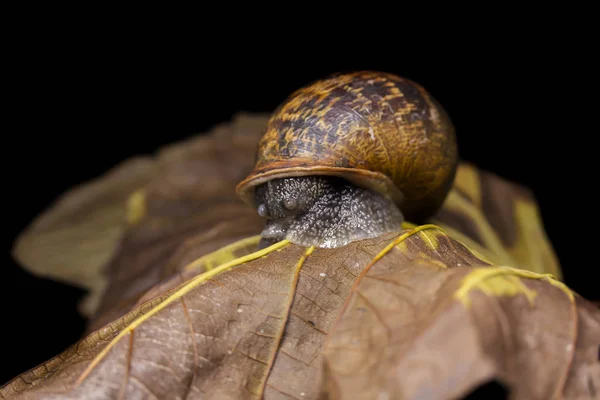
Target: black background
x=80 y=105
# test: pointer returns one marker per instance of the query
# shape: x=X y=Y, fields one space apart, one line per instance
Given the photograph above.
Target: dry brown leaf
x=413 y=315
x=190 y=309
x=75 y=239
x=498 y=218
x=77 y=235
x=161 y=244
x=181 y=205
x=464 y=327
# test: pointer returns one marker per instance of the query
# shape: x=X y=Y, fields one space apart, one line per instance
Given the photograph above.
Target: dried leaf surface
x=412 y=316
x=190 y=309
x=498 y=218
x=464 y=327
x=78 y=234
x=180 y=201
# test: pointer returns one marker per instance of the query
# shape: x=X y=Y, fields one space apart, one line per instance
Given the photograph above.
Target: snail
x=351 y=157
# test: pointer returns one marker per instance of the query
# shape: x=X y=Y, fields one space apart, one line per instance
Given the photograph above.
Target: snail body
x=350 y=157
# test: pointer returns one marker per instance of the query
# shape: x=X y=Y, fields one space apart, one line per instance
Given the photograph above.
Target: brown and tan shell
x=374 y=129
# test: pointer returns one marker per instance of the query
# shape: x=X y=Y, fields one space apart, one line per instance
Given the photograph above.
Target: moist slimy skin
x=323 y=211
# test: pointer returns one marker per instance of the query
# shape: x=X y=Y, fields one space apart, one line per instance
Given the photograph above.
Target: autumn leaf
x=188 y=308
x=145 y=200
x=78 y=235
x=500 y=219
x=146 y=219
x=407 y=316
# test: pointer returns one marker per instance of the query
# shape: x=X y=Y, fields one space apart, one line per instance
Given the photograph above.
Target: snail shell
x=375 y=130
